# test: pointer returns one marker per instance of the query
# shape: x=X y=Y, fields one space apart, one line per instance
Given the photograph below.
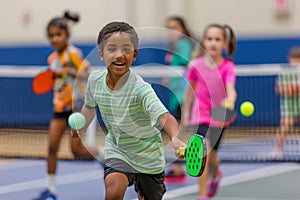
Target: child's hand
x=60 y=72
x=177 y=143
x=75 y=133
x=69 y=71
x=228 y=104
x=63 y=72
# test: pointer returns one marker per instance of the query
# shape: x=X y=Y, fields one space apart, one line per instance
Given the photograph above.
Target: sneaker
x=214 y=185
x=172 y=178
x=46 y=195
x=276 y=154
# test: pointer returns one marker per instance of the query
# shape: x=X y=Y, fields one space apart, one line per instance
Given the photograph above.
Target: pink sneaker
x=202 y=198
x=172 y=178
x=214 y=185
x=276 y=154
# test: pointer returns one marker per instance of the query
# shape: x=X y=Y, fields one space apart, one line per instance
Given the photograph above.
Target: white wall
x=25 y=21
x=247 y=17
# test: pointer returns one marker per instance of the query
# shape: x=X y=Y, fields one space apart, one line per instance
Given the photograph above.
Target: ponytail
x=71 y=16
x=231 y=41
x=62 y=22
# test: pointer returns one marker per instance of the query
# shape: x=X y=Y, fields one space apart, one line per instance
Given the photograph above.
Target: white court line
x=243 y=198
x=61 y=180
x=238 y=178
x=96 y=175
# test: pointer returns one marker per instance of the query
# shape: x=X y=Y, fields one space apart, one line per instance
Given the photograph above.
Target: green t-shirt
x=130 y=115
x=289 y=78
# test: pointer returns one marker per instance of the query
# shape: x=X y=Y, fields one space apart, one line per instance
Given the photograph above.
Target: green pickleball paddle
x=195 y=155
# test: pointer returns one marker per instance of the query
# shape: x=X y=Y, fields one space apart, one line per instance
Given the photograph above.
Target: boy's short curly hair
x=113 y=27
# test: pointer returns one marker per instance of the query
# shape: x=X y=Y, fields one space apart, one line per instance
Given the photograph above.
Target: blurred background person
x=67 y=63
x=212 y=83
x=288 y=88
x=180 y=48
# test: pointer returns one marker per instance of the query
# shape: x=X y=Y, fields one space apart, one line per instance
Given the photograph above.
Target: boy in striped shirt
x=131 y=111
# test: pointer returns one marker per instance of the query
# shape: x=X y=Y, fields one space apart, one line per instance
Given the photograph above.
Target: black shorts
x=213 y=134
x=62 y=115
x=149 y=186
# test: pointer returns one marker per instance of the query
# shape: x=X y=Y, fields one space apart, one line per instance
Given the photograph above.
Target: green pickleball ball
x=76 y=121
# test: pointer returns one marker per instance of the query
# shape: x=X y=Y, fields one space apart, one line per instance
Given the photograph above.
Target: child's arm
x=231 y=95
x=279 y=90
x=89 y=113
x=189 y=96
x=170 y=125
x=287 y=90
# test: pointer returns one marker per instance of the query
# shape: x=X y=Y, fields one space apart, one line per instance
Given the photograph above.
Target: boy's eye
x=126 y=50
x=111 y=49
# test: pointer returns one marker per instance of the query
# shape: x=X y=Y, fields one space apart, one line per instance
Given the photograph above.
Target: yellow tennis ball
x=247 y=108
x=227 y=104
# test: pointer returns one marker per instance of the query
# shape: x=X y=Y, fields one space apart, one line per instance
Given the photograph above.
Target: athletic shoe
x=46 y=195
x=276 y=154
x=172 y=178
x=214 y=185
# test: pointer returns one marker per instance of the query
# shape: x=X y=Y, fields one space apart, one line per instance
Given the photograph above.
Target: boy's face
x=118 y=53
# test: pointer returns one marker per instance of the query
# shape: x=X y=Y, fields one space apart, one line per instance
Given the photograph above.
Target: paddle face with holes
x=43 y=82
x=223 y=115
x=195 y=155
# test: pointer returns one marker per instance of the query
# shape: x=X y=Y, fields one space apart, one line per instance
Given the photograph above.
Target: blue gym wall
x=20 y=107
x=249 y=51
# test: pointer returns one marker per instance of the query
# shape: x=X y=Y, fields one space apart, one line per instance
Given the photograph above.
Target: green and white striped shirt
x=130 y=115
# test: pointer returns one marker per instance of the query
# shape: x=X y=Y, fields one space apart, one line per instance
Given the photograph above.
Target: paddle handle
x=181 y=152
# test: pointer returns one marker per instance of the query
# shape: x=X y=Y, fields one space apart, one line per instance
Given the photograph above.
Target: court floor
x=23 y=179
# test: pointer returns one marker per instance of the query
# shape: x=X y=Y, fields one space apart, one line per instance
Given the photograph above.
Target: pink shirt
x=210 y=88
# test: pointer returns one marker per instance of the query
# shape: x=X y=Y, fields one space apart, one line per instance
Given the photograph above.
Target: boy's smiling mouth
x=119 y=64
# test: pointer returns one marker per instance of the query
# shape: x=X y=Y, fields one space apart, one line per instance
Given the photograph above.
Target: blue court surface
x=23 y=179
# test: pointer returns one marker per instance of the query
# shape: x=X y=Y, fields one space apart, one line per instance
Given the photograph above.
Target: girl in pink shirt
x=212 y=82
